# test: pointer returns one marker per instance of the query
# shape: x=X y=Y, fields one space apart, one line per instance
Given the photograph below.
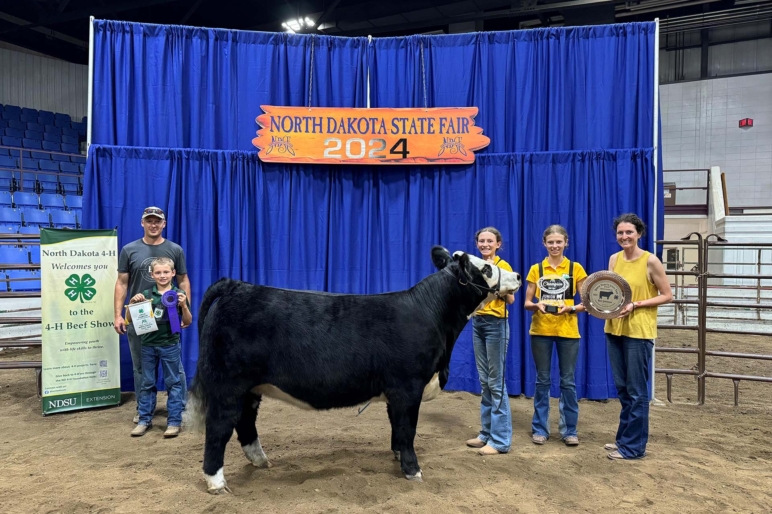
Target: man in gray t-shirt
x=134 y=277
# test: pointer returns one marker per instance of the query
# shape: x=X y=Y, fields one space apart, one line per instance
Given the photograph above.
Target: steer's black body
x=328 y=351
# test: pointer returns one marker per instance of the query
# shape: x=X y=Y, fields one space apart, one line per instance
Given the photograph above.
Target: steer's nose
x=518 y=277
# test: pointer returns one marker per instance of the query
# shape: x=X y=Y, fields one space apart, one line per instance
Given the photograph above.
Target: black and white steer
x=324 y=351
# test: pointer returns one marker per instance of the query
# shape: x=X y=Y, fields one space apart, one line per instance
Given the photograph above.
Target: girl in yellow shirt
x=562 y=328
x=630 y=337
x=490 y=334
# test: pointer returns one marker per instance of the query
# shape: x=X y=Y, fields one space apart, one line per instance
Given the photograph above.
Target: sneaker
x=172 y=431
x=571 y=440
x=538 y=439
x=136 y=418
x=140 y=430
x=475 y=443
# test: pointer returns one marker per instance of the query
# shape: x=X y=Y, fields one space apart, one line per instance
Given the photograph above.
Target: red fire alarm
x=746 y=122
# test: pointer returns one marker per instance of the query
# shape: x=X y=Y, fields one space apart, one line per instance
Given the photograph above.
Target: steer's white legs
x=216 y=484
x=418 y=477
x=256 y=455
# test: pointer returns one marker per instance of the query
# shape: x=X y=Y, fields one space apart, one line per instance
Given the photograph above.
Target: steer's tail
x=220 y=288
x=194 y=417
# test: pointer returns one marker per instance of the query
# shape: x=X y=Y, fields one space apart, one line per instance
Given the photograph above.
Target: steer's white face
x=510 y=281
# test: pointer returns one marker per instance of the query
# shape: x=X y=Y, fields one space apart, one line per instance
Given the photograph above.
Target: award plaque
x=553 y=292
x=605 y=294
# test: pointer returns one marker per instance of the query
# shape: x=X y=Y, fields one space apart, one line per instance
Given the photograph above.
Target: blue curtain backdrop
x=569 y=113
x=187 y=87
x=369 y=229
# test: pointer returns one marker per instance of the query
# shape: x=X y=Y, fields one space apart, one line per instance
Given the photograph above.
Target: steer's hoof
x=396 y=456
x=216 y=484
x=262 y=464
x=418 y=477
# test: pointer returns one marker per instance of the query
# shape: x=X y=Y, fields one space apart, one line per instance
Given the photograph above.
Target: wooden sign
x=445 y=135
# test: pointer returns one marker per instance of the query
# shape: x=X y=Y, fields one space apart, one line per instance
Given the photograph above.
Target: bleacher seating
x=40 y=185
x=23 y=285
x=62 y=219
x=26 y=199
x=50 y=201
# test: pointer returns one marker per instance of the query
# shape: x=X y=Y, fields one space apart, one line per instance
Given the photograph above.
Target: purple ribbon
x=169 y=299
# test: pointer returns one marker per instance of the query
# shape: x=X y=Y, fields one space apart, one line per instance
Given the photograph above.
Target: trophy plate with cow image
x=605 y=294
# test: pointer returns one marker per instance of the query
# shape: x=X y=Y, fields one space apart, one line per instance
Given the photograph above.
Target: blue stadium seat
x=11 y=141
x=53 y=138
x=63 y=116
x=61 y=123
x=31 y=143
x=69 y=148
x=28 y=164
x=28 y=183
x=35 y=231
x=46 y=114
x=36 y=217
x=70 y=140
x=70 y=132
x=80 y=127
x=3 y=123
x=69 y=167
x=74 y=202
x=82 y=168
x=26 y=199
x=36 y=127
x=6 y=199
x=4 y=151
x=28 y=110
x=51 y=129
x=51 y=201
x=34 y=254
x=11 y=255
x=28 y=118
x=9 y=116
x=51 y=147
x=78 y=216
x=31 y=134
x=78 y=158
x=60 y=157
x=49 y=166
x=41 y=155
x=63 y=219
x=30 y=282
x=26 y=154
x=10 y=217
x=7 y=162
x=12 y=132
x=70 y=184
x=7 y=182
x=17 y=124
x=48 y=183
x=44 y=120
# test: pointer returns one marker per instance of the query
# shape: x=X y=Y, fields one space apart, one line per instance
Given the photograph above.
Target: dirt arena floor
x=714 y=458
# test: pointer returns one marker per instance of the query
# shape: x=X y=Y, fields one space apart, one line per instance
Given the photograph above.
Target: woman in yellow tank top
x=630 y=337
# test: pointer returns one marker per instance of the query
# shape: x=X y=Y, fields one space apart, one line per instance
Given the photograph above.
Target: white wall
x=700 y=129
x=29 y=80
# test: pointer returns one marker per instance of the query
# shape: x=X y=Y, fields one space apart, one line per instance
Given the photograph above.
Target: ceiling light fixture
x=296 y=25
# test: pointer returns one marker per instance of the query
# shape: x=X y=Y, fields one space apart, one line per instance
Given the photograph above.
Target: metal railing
x=702 y=275
x=672 y=207
x=21 y=342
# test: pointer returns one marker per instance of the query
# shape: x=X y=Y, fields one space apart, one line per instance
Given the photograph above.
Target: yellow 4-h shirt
x=565 y=325
x=496 y=307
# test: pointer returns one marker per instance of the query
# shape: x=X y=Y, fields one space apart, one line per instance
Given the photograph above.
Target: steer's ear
x=440 y=257
x=462 y=258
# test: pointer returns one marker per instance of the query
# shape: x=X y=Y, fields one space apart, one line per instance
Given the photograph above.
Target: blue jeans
x=630 y=358
x=170 y=362
x=568 y=352
x=135 y=347
x=491 y=339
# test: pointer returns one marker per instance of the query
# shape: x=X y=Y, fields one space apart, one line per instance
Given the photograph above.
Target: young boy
x=164 y=346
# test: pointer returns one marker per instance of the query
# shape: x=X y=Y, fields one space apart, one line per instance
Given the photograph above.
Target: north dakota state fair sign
x=445 y=135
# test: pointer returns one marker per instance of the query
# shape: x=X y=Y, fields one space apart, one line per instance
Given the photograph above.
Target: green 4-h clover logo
x=80 y=287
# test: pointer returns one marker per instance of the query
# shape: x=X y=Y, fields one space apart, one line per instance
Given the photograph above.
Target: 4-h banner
x=81 y=363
